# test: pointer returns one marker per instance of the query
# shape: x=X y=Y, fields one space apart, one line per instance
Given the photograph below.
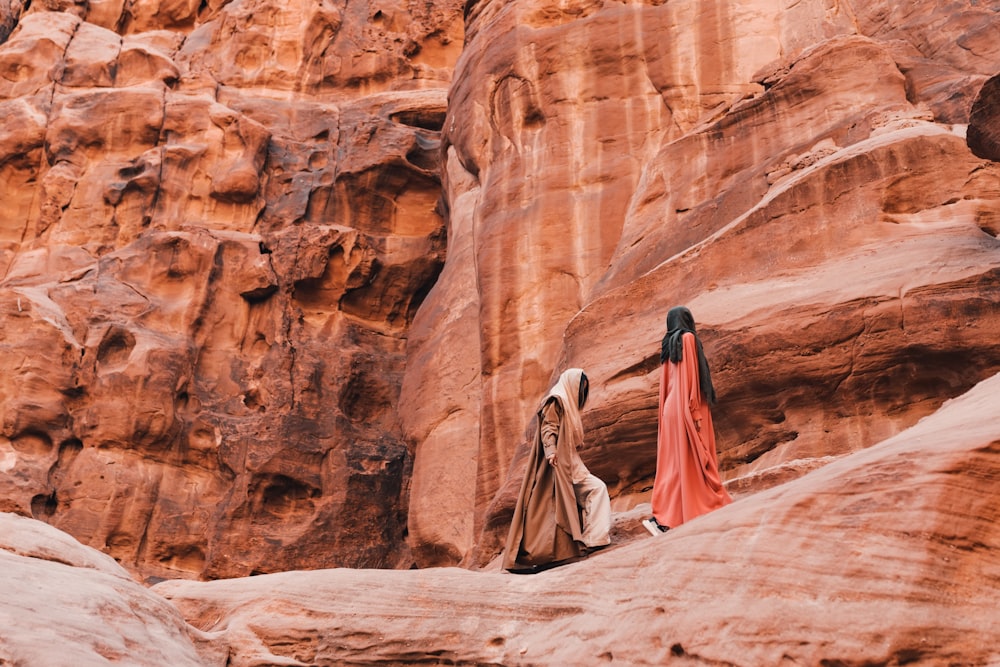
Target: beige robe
x=562 y=509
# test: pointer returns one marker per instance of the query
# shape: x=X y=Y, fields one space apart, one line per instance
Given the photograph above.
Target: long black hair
x=679 y=321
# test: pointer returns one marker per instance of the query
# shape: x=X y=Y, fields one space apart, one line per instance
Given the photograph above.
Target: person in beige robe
x=563 y=511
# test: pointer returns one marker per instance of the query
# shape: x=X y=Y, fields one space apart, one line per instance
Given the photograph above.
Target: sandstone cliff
x=219 y=220
x=885 y=557
x=796 y=173
x=281 y=283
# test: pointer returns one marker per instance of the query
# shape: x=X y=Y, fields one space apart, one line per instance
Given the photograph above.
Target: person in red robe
x=687 y=482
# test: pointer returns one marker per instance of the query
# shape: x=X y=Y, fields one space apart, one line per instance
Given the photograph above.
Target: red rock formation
x=220 y=225
x=223 y=218
x=216 y=235
x=64 y=603
x=785 y=172
x=884 y=557
x=983 y=136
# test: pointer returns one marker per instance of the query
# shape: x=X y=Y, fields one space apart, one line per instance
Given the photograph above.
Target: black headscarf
x=679 y=321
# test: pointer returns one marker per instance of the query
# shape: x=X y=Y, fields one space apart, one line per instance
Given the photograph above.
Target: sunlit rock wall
x=797 y=173
x=218 y=222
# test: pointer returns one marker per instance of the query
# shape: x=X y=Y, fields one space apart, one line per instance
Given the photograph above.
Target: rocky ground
x=887 y=556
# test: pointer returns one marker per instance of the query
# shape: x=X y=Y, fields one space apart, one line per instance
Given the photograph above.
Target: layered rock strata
x=797 y=174
x=894 y=560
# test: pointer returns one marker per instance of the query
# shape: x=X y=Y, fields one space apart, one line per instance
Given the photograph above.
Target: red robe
x=687 y=482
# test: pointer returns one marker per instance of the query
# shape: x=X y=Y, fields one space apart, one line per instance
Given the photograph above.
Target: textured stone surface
x=64 y=603
x=894 y=561
x=796 y=173
x=983 y=134
x=221 y=222
x=280 y=284
x=216 y=234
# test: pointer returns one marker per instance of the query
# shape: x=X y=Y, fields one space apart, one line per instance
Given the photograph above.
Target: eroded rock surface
x=796 y=173
x=895 y=561
x=280 y=284
x=984 y=122
x=222 y=221
x=218 y=222
x=65 y=603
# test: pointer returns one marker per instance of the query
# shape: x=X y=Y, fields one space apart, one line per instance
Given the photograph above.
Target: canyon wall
x=887 y=556
x=797 y=173
x=219 y=220
x=282 y=283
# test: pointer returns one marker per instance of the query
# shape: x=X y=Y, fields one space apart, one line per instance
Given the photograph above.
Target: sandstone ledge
x=887 y=556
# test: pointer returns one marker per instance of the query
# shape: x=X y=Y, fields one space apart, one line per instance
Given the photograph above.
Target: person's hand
x=552 y=460
x=697 y=425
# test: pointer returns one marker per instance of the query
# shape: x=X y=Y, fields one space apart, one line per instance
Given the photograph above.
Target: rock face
x=280 y=285
x=219 y=222
x=282 y=282
x=797 y=174
x=984 y=120
x=66 y=604
x=895 y=562
x=887 y=556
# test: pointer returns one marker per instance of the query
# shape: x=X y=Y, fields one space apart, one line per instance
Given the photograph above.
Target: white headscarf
x=567 y=389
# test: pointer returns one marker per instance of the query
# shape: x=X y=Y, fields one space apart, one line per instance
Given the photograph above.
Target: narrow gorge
x=282 y=282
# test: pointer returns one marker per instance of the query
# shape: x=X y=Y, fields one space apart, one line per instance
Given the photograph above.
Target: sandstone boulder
x=64 y=603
